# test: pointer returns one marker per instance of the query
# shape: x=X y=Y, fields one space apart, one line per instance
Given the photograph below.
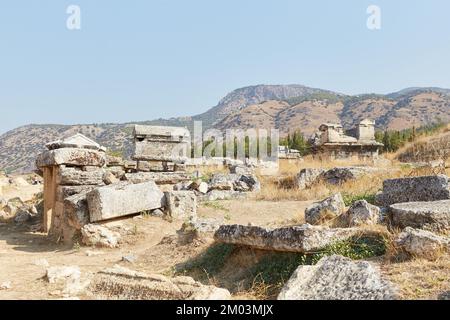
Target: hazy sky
x=145 y=59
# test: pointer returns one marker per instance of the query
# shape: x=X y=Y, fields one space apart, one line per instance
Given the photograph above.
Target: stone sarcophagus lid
x=159 y=143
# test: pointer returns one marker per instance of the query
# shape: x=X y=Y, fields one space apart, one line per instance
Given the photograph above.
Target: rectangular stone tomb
x=123 y=199
x=304 y=238
x=157 y=143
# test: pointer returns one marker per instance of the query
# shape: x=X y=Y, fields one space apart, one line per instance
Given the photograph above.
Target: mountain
x=285 y=107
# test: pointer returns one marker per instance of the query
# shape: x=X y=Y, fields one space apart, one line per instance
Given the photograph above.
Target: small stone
x=129 y=258
x=203 y=187
x=91 y=253
x=325 y=210
x=362 y=213
x=109 y=178
x=56 y=274
x=95 y=235
x=5 y=285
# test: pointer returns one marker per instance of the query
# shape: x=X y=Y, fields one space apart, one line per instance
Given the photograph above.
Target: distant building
x=331 y=141
x=284 y=152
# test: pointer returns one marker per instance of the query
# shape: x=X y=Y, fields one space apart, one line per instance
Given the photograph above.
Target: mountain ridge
x=285 y=107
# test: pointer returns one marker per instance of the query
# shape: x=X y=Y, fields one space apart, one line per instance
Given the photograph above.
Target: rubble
x=423 y=244
x=325 y=210
x=120 y=283
x=338 y=278
x=99 y=236
x=304 y=238
x=123 y=199
x=414 y=189
x=362 y=213
x=307 y=177
x=432 y=215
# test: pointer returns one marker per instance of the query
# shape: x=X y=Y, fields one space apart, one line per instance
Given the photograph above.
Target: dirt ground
x=152 y=240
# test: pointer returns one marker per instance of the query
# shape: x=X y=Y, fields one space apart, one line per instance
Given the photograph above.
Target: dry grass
x=418 y=278
x=282 y=187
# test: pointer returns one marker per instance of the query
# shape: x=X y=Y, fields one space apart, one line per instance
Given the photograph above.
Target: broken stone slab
x=181 y=204
x=338 y=278
x=361 y=213
x=304 y=238
x=76 y=210
x=64 y=192
x=422 y=243
x=71 y=156
x=99 y=236
x=120 y=283
x=158 y=177
x=240 y=169
x=215 y=195
x=123 y=199
x=325 y=210
x=307 y=177
x=433 y=215
x=414 y=189
x=77 y=177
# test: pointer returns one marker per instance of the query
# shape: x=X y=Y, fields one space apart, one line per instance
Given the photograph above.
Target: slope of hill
x=287 y=108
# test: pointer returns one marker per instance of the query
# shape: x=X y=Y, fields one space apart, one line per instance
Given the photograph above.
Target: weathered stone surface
x=221 y=181
x=71 y=156
x=63 y=192
x=112 y=161
x=181 y=204
x=214 y=195
x=303 y=238
x=307 y=177
x=433 y=215
x=99 y=236
x=22 y=216
x=325 y=210
x=343 y=174
x=362 y=213
x=123 y=199
x=77 y=177
x=338 y=278
x=414 y=189
x=423 y=244
x=119 y=283
x=76 y=210
x=109 y=178
x=201 y=225
x=157 y=177
x=251 y=181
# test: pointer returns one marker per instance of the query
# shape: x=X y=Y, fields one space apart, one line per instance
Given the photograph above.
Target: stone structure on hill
x=332 y=142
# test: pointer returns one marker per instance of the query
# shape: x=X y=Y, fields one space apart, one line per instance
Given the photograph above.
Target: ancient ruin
x=332 y=142
x=83 y=185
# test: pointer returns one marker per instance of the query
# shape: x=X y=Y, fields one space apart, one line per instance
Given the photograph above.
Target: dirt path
x=22 y=252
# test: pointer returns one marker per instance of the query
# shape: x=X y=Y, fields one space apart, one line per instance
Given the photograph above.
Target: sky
x=145 y=59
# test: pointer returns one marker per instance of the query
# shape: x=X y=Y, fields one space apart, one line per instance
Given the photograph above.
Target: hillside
x=287 y=108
